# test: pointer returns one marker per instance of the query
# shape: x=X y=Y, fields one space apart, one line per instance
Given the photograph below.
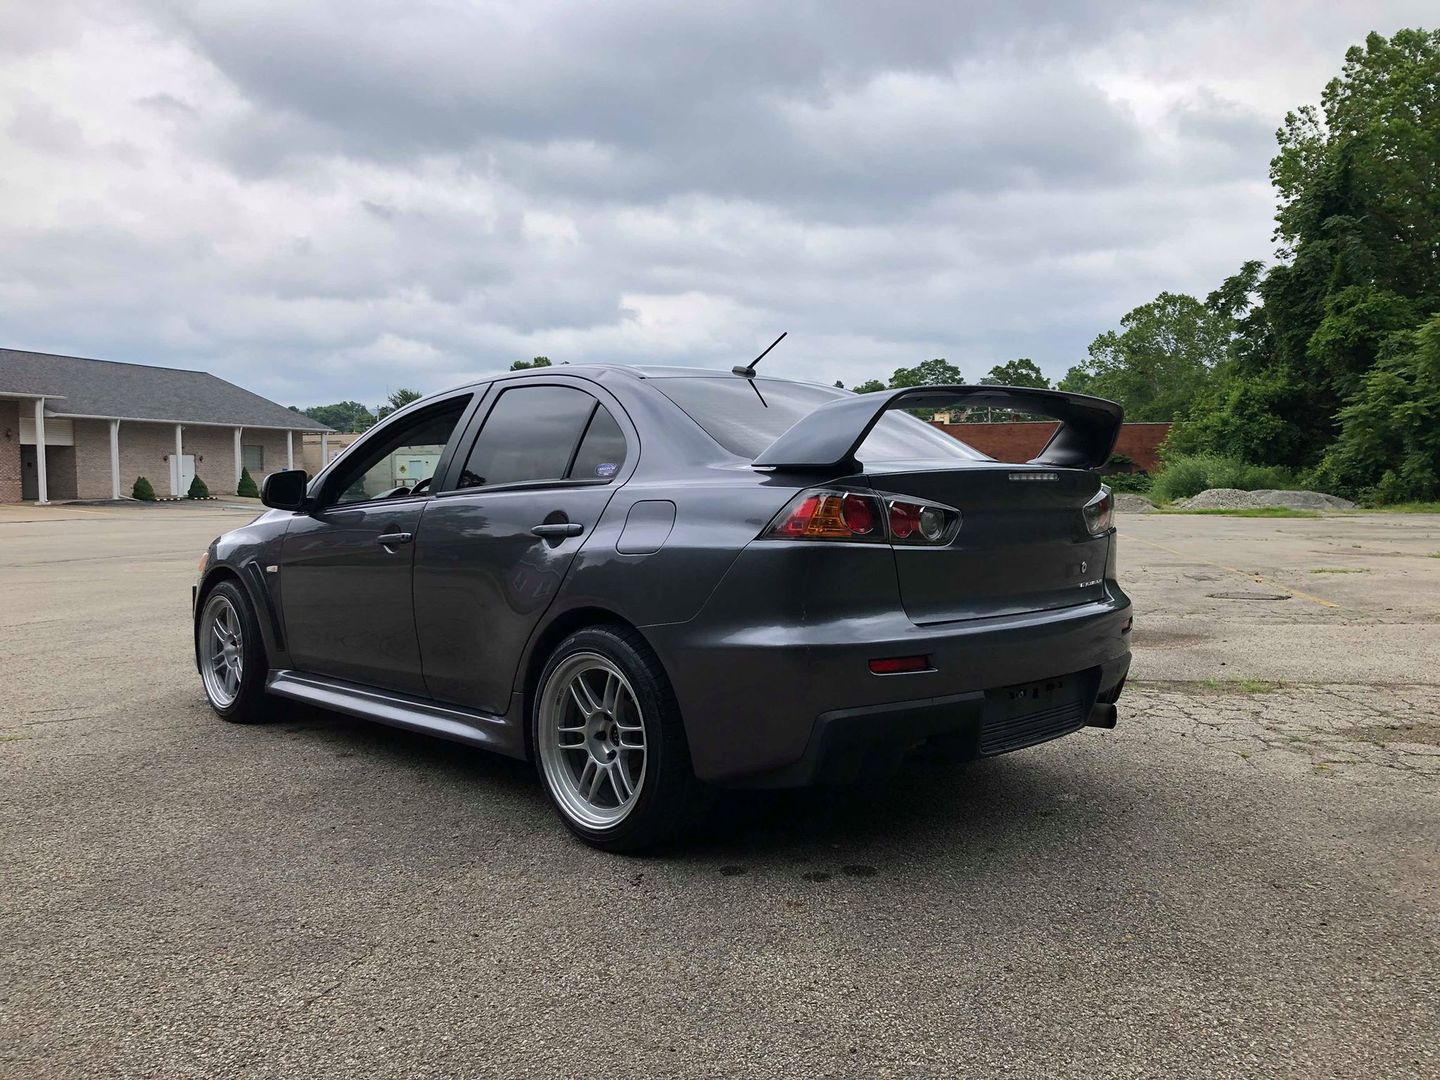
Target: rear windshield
x=734 y=416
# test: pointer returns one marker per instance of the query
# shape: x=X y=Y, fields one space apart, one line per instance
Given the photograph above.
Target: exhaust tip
x=1103 y=715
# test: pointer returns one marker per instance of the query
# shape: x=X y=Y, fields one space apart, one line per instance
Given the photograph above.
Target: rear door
x=495 y=546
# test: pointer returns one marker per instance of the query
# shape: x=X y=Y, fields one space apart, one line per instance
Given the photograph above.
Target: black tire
x=248 y=706
x=668 y=798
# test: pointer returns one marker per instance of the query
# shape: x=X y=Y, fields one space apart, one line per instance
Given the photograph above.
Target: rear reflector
x=897 y=665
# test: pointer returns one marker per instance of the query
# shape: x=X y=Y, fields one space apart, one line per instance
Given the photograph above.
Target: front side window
x=402 y=459
x=539 y=433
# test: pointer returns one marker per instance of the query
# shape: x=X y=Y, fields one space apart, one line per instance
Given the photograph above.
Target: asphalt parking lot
x=1240 y=879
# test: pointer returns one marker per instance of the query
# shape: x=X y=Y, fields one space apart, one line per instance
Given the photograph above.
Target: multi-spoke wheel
x=594 y=748
x=230 y=653
x=609 y=743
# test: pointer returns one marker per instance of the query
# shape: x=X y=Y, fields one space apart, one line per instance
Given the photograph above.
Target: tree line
x=1325 y=363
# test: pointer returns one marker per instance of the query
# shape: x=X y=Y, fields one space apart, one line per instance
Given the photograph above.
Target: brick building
x=102 y=424
x=1021 y=441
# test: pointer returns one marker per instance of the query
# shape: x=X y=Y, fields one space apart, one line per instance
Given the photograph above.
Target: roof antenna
x=748 y=371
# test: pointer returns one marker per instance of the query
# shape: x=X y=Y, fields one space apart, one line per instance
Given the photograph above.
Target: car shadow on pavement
x=1034 y=801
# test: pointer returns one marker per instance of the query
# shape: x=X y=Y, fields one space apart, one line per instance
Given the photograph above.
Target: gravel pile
x=1127 y=502
x=1235 y=499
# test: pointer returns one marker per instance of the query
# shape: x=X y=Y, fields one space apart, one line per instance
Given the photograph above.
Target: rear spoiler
x=829 y=436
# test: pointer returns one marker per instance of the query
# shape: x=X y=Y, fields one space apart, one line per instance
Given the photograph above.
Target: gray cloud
x=328 y=200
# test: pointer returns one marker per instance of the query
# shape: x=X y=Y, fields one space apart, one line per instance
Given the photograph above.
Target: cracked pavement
x=1239 y=880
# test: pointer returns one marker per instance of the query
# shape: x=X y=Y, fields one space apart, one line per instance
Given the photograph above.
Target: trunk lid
x=1022 y=546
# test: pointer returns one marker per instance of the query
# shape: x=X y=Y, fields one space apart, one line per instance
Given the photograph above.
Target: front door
x=494 y=549
x=182 y=472
x=346 y=563
x=29 y=477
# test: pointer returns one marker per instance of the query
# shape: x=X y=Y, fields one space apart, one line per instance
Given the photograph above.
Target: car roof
x=635 y=371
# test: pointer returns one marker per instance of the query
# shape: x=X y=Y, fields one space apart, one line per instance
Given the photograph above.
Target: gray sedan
x=654 y=582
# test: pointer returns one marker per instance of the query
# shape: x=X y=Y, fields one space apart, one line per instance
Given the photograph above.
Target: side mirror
x=284 y=490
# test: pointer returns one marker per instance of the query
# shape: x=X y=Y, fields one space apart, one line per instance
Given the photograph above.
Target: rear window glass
x=735 y=417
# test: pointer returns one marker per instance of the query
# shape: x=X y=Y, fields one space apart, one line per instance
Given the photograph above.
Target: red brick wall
x=1021 y=442
x=9 y=451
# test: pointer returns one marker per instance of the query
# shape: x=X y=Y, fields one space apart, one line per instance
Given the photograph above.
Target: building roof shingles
x=106 y=388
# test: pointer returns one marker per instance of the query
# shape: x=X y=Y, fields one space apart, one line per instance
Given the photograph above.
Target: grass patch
x=1339 y=570
x=1401 y=508
x=1240 y=686
x=1245 y=512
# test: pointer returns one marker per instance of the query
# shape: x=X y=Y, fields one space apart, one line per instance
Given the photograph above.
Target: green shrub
x=247 y=488
x=1184 y=475
x=1138 y=482
x=198 y=490
x=142 y=490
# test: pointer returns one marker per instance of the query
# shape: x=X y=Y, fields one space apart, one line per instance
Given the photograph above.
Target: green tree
x=869 y=386
x=198 y=488
x=142 y=490
x=246 y=489
x=398 y=399
x=526 y=365
x=939 y=372
x=342 y=416
x=1158 y=362
x=1358 y=227
x=1389 y=445
x=1022 y=372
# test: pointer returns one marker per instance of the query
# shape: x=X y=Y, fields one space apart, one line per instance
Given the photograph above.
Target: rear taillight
x=1100 y=512
x=832 y=514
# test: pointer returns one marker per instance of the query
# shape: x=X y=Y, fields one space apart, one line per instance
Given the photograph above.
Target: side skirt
x=398 y=710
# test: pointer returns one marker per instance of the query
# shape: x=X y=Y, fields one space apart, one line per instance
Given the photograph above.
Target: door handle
x=558 y=529
x=394 y=539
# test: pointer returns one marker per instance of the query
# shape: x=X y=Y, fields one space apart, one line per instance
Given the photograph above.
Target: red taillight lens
x=834 y=514
x=859 y=514
x=829 y=515
x=904 y=520
x=898 y=665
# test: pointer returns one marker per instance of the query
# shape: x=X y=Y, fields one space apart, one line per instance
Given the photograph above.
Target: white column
x=43 y=490
x=239 y=456
x=114 y=459
x=175 y=465
x=324 y=449
x=289 y=449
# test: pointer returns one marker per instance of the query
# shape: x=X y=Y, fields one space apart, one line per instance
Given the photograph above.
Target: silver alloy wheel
x=591 y=738
x=222 y=651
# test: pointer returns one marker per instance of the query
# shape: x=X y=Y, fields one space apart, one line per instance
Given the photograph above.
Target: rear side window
x=602 y=450
x=535 y=433
x=745 y=422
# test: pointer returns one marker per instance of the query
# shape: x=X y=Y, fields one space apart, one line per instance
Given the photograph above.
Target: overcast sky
x=327 y=200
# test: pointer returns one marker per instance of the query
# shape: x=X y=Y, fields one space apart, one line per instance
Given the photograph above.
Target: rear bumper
x=848 y=745
x=785 y=705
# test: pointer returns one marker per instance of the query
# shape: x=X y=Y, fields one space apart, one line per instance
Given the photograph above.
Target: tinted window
x=736 y=418
x=529 y=435
x=602 y=450
x=397 y=459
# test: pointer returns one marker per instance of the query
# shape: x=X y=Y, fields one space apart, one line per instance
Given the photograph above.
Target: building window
x=252 y=456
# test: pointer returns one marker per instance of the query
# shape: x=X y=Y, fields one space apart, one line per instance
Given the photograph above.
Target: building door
x=29 y=478
x=186 y=464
